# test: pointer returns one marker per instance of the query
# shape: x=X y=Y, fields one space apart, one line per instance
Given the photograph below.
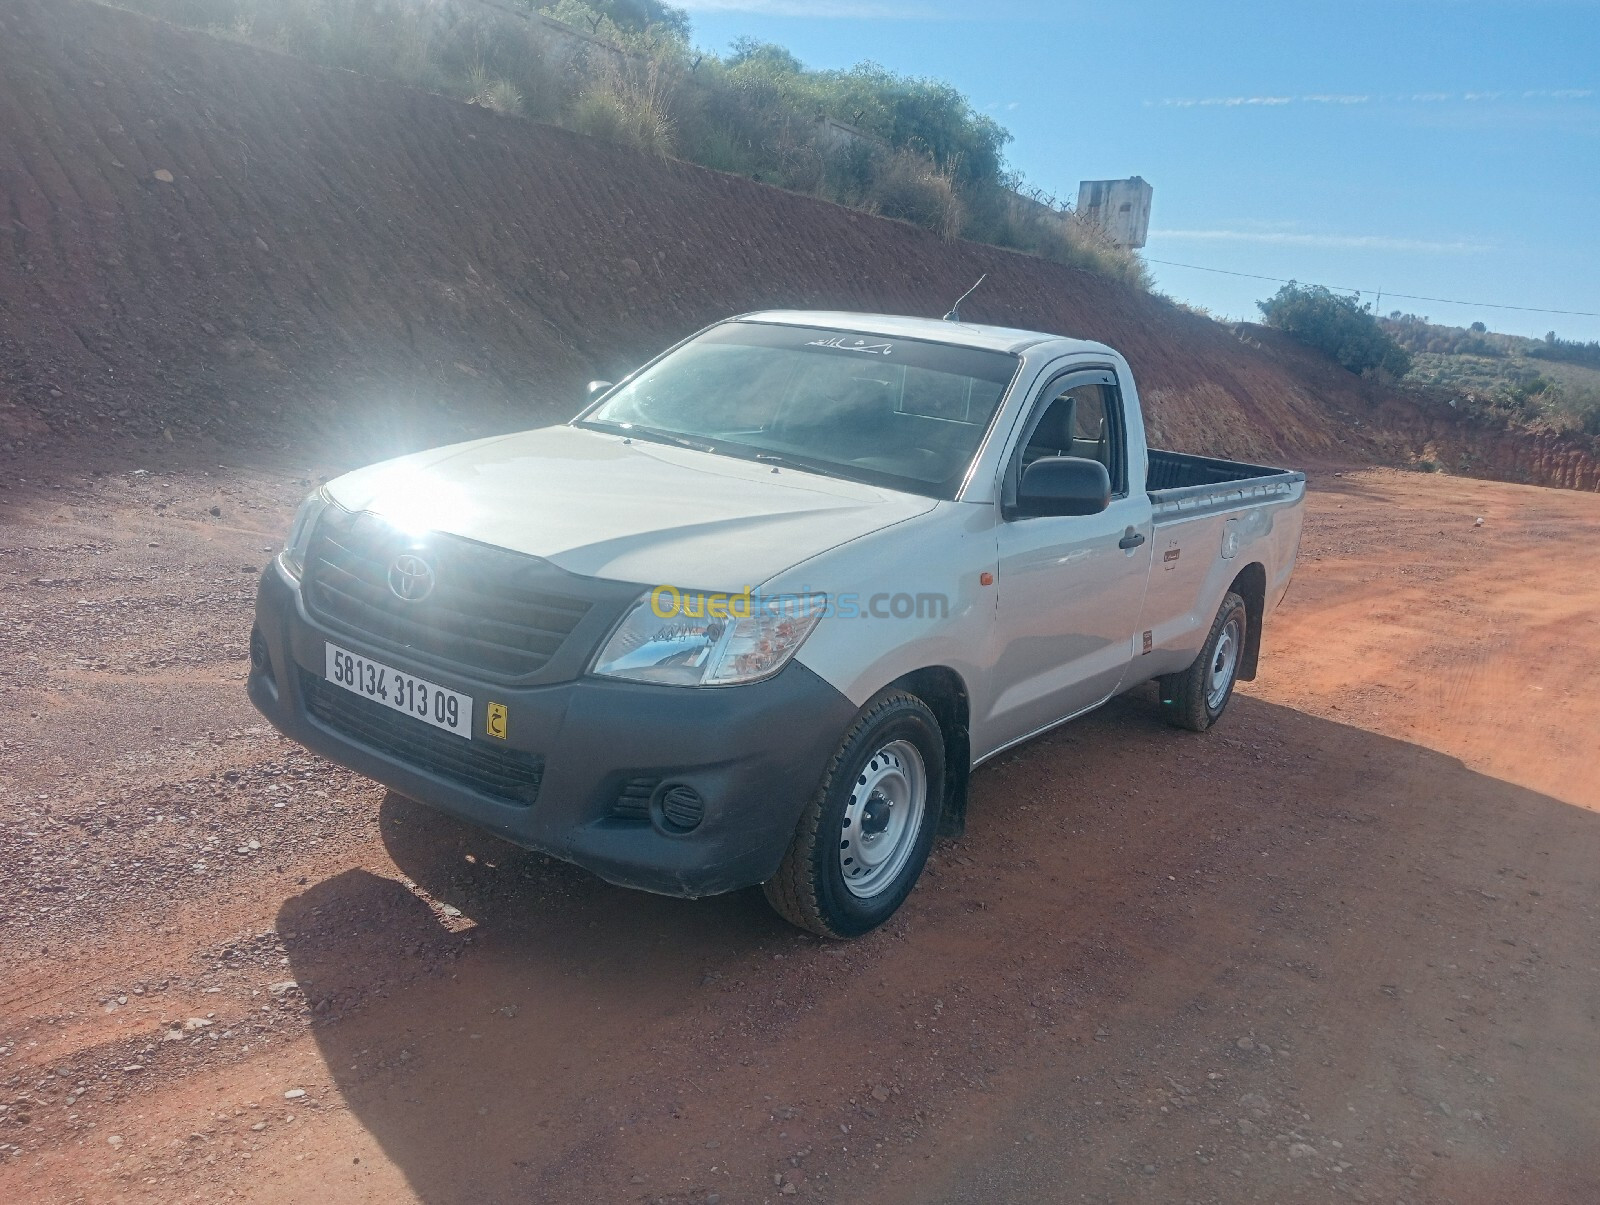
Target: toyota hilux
x=756 y=614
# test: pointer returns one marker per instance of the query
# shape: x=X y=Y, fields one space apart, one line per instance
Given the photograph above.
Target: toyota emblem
x=411 y=577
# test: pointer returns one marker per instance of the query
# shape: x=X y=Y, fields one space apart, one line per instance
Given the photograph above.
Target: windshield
x=895 y=412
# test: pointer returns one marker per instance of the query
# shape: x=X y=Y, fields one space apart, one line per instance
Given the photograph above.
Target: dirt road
x=1342 y=947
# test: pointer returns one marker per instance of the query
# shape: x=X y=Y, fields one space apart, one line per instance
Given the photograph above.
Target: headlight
x=293 y=556
x=679 y=638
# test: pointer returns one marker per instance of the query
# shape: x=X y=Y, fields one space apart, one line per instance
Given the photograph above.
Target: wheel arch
x=1250 y=584
x=945 y=693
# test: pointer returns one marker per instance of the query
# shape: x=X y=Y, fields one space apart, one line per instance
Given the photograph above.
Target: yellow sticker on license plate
x=495 y=721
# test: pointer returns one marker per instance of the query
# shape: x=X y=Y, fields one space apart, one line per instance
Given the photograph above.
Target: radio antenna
x=955 y=311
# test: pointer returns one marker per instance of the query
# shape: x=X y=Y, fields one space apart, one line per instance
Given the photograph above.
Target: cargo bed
x=1184 y=485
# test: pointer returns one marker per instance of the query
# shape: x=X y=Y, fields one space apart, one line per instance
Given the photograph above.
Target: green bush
x=618 y=16
x=1336 y=325
x=627 y=102
x=1571 y=407
x=913 y=189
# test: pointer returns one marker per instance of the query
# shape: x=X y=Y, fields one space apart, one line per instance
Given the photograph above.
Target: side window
x=1091 y=432
x=1052 y=434
x=1082 y=417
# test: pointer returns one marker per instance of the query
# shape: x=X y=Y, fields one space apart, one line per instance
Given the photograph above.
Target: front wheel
x=865 y=835
x=1195 y=698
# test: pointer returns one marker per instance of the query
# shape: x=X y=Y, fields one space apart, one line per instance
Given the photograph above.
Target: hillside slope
x=200 y=239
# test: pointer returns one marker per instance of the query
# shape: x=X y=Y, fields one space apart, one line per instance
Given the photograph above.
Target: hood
x=636 y=511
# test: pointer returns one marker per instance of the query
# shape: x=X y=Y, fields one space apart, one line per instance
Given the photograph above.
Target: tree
x=630 y=16
x=763 y=58
x=1336 y=325
x=1567 y=349
x=922 y=115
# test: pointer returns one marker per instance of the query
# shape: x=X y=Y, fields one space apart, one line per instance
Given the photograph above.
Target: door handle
x=1130 y=539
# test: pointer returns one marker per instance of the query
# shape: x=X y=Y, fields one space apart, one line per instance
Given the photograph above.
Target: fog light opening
x=260 y=662
x=679 y=808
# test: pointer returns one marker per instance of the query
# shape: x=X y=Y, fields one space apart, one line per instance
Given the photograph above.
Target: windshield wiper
x=746 y=452
x=630 y=430
x=736 y=450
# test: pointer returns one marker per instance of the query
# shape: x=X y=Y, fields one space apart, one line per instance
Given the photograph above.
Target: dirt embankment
x=1498 y=452
x=1423 y=425
x=200 y=240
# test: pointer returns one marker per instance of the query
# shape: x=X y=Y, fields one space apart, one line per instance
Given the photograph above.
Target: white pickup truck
x=755 y=615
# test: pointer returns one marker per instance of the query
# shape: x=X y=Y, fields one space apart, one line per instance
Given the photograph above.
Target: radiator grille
x=488 y=609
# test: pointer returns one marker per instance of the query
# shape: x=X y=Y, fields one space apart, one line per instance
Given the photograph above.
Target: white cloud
x=1227 y=102
x=1364 y=98
x=1359 y=242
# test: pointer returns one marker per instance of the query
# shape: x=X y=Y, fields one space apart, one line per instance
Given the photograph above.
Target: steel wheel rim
x=882 y=819
x=1224 y=661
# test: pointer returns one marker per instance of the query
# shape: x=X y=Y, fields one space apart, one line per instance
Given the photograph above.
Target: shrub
x=626 y=102
x=1572 y=407
x=914 y=189
x=1338 y=326
x=499 y=96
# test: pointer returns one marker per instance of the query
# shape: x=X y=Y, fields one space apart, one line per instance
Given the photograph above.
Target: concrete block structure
x=1119 y=207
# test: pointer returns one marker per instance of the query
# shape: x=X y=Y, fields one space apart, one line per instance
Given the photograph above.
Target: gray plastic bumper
x=753 y=754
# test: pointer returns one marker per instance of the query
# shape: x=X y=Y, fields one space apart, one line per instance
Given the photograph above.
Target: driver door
x=1070 y=588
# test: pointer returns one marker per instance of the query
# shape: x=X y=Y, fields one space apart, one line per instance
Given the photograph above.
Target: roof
x=932 y=330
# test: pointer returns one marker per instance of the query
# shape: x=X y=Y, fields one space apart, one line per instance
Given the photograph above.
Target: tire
x=863 y=839
x=1197 y=697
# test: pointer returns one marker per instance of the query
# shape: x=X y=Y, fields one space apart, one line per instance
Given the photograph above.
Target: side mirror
x=596 y=388
x=1063 y=485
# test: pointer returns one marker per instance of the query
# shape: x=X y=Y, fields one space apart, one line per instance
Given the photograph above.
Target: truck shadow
x=509 y=1028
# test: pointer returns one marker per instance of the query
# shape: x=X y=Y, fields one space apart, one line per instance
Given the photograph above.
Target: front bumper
x=611 y=751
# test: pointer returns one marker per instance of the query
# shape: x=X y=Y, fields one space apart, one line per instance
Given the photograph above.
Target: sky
x=1446 y=149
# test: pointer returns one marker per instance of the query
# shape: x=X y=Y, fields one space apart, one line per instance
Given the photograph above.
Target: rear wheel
x=865 y=835
x=1196 y=698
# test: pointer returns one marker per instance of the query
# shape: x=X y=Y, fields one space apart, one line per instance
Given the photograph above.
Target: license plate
x=403 y=692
